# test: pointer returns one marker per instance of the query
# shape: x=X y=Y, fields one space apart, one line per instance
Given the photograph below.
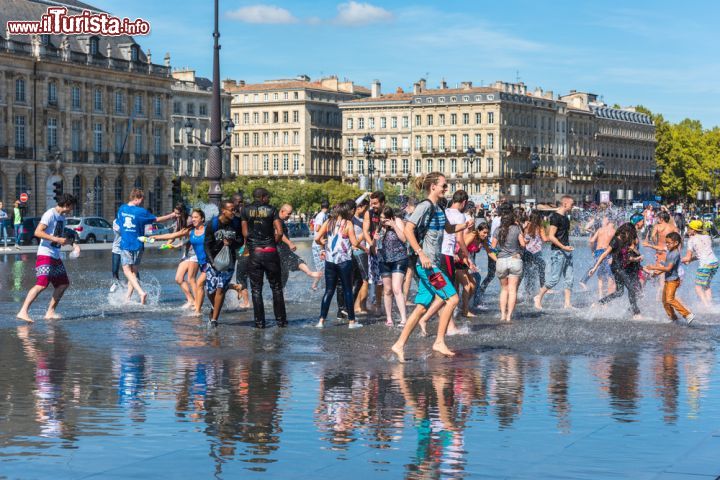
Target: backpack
x=423 y=225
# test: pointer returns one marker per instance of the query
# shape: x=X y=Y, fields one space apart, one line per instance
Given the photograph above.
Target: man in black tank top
x=262 y=230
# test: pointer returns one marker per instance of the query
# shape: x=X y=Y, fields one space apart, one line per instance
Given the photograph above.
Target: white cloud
x=354 y=14
x=268 y=14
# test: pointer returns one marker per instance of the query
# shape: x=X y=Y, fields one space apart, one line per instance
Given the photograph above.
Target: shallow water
x=118 y=391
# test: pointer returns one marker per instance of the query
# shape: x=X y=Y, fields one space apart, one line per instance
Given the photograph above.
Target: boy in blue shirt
x=132 y=219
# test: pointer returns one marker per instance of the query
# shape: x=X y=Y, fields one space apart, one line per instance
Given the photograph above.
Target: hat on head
x=696 y=225
x=636 y=218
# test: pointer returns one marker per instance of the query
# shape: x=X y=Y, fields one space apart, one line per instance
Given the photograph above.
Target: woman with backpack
x=424 y=231
x=337 y=239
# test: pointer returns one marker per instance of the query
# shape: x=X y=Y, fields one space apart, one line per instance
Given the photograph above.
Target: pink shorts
x=50 y=270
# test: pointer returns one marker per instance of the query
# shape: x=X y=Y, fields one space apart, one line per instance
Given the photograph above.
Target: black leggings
x=623 y=279
x=342 y=272
x=491 y=274
x=116 y=265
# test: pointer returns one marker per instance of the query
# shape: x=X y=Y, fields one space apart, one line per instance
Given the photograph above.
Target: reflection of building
x=70 y=105
x=289 y=128
x=527 y=144
x=191 y=102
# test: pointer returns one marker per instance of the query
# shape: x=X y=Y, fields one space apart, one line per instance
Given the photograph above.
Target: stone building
x=191 y=101
x=289 y=128
x=91 y=112
x=527 y=145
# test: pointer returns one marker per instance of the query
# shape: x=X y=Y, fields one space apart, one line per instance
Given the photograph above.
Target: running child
x=670 y=267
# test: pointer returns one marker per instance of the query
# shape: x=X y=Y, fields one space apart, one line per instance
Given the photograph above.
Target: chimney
x=416 y=88
x=443 y=84
x=375 y=90
x=228 y=84
x=538 y=92
x=548 y=95
x=466 y=85
x=423 y=85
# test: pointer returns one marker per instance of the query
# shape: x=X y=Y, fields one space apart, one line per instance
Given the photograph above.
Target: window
x=418 y=169
x=266 y=162
x=383 y=122
x=406 y=122
x=478 y=118
x=393 y=166
x=97 y=137
x=276 y=163
x=94 y=46
x=418 y=120
x=349 y=123
x=78 y=192
x=465 y=141
x=349 y=167
x=478 y=141
x=371 y=122
x=275 y=139
x=256 y=118
x=490 y=140
x=296 y=95
x=429 y=120
x=157 y=134
x=489 y=165
x=119 y=193
x=246 y=140
x=157 y=104
x=246 y=119
x=441 y=143
x=139 y=110
x=75 y=135
x=75 y=94
x=393 y=144
x=361 y=123
x=256 y=139
x=490 y=117
x=138 y=141
x=19 y=132
x=466 y=118
x=296 y=162
x=405 y=166
x=441 y=119
x=393 y=122
x=51 y=133
x=98 y=100
x=349 y=144
x=285 y=162
x=429 y=142
x=296 y=114
x=265 y=97
x=453 y=165
x=296 y=138
x=286 y=116
x=418 y=142
x=441 y=165
x=453 y=119
x=266 y=117
x=20 y=90
x=134 y=53
x=453 y=142
x=52 y=93
x=429 y=165
x=266 y=138
x=276 y=117
x=190 y=109
x=98 y=193
x=275 y=96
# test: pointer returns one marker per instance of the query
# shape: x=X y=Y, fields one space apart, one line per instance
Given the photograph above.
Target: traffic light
x=176 y=190
x=57 y=189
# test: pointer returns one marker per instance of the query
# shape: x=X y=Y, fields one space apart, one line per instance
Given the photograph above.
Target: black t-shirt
x=260 y=228
x=562 y=222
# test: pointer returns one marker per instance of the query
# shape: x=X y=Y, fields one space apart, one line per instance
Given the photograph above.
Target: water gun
x=146 y=239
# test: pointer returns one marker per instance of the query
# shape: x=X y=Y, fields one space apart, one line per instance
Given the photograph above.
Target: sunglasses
x=444 y=186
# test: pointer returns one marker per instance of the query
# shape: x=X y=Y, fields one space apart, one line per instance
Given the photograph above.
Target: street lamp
x=369 y=143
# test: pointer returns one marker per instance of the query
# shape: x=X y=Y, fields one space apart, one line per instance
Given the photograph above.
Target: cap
x=636 y=218
x=696 y=225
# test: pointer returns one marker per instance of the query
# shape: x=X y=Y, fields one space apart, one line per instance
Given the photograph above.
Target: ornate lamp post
x=599 y=172
x=369 y=143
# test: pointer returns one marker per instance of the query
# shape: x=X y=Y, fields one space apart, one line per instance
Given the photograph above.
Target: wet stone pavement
x=117 y=390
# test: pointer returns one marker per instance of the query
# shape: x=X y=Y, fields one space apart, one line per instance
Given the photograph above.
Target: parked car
x=158 y=229
x=28 y=227
x=296 y=229
x=91 y=229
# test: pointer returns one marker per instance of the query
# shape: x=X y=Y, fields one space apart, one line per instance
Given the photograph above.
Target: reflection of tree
x=698 y=369
x=558 y=390
x=623 y=379
x=667 y=381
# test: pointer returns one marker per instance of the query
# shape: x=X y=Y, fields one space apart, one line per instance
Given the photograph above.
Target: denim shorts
x=561 y=268
x=509 y=267
x=128 y=257
x=604 y=268
x=388 y=268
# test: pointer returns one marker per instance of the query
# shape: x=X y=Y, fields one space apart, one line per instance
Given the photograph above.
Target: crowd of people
x=369 y=253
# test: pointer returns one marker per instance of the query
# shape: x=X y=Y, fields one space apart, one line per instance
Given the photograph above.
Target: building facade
x=527 y=146
x=191 y=101
x=289 y=128
x=90 y=112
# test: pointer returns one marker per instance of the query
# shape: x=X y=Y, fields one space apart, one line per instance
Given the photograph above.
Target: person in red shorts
x=49 y=267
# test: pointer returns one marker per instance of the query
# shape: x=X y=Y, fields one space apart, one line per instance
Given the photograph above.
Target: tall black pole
x=215 y=151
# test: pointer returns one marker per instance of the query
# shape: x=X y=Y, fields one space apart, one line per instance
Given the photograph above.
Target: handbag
x=222 y=260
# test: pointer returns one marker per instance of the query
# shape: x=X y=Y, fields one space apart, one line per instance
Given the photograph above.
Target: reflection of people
x=623 y=378
x=17 y=223
x=558 y=391
x=667 y=381
x=49 y=267
x=131 y=385
x=3 y=225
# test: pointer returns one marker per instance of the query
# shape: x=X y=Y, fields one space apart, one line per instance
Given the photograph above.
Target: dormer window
x=134 y=53
x=94 y=45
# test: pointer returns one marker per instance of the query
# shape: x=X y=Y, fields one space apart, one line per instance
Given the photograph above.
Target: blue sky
x=662 y=54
